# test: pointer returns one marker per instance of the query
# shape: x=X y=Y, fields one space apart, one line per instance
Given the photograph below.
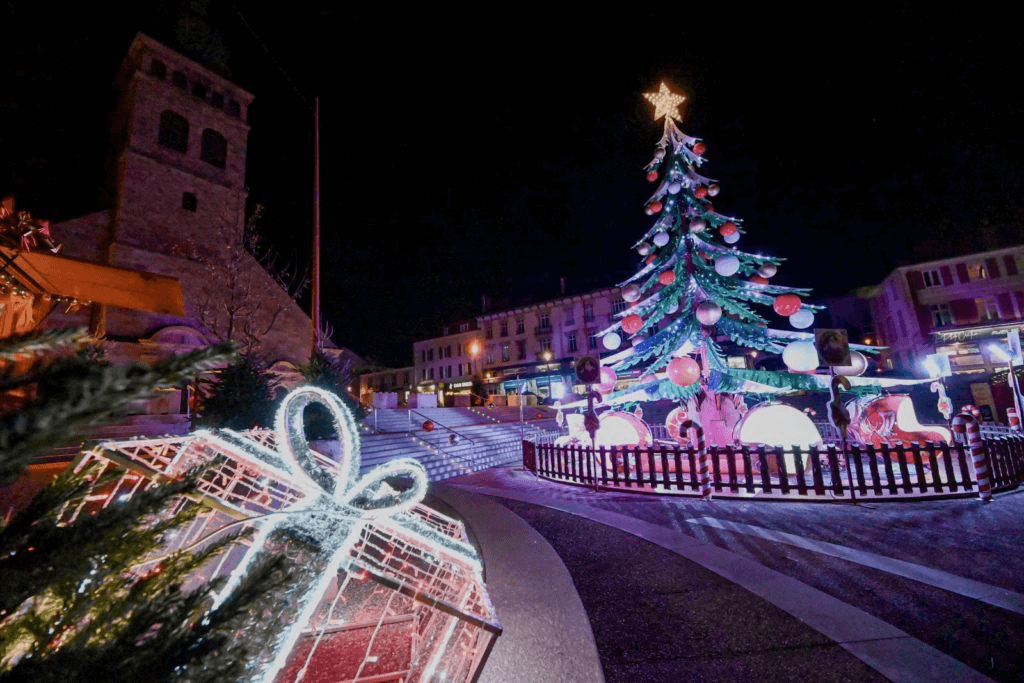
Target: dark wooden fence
x=934 y=470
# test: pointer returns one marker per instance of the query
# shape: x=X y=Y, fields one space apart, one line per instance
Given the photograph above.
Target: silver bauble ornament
x=612 y=341
x=802 y=319
x=643 y=249
x=767 y=270
x=661 y=238
x=631 y=293
x=708 y=313
x=732 y=239
x=713 y=190
x=727 y=265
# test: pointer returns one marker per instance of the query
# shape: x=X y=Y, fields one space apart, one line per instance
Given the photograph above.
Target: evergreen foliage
x=320 y=372
x=75 y=604
x=239 y=398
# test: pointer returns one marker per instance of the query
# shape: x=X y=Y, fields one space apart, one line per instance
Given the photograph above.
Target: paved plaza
x=677 y=588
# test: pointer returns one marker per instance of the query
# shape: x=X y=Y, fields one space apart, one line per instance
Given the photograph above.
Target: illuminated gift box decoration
x=398 y=592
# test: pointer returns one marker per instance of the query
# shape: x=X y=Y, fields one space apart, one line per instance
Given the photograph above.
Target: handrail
x=427 y=417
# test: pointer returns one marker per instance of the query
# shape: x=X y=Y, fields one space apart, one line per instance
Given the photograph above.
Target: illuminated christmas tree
x=696 y=293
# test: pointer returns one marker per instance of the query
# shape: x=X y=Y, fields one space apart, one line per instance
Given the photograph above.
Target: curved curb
x=546 y=633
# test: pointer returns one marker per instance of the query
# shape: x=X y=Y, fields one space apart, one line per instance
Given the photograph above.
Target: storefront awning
x=94 y=282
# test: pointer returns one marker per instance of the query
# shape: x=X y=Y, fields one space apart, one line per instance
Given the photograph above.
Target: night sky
x=494 y=153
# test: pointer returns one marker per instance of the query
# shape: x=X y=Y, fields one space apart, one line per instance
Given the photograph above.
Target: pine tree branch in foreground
x=75 y=393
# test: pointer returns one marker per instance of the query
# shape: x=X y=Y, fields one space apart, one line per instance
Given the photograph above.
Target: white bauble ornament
x=767 y=270
x=674 y=187
x=631 y=293
x=659 y=153
x=708 y=312
x=698 y=225
x=643 y=249
x=858 y=365
x=612 y=341
x=732 y=239
x=672 y=307
x=727 y=265
x=713 y=190
x=661 y=238
x=802 y=319
x=800 y=356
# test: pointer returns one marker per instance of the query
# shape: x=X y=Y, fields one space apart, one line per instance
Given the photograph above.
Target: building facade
x=962 y=307
x=179 y=135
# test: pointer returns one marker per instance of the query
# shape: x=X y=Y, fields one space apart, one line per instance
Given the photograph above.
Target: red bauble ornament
x=667 y=278
x=699 y=149
x=758 y=280
x=787 y=304
x=428 y=426
x=656 y=207
x=652 y=176
x=683 y=371
x=631 y=324
x=728 y=228
x=701 y=192
x=709 y=208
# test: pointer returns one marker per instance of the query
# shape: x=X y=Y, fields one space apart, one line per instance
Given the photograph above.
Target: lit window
x=976 y=271
x=738 y=362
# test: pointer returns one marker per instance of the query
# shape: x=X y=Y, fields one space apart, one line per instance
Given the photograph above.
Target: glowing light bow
x=333 y=511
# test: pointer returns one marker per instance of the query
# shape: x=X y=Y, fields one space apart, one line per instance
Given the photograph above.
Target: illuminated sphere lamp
x=708 y=313
x=661 y=238
x=631 y=293
x=767 y=270
x=727 y=265
x=786 y=304
x=667 y=277
x=683 y=371
x=802 y=319
x=732 y=239
x=607 y=382
x=612 y=341
x=728 y=228
x=858 y=365
x=778 y=425
x=632 y=323
x=801 y=356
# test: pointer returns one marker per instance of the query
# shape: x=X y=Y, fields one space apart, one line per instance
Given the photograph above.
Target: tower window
x=217 y=99
x=179 y=80
x=199 y=90
x=174 y=131
x=215 y=148
x=158 y=69
x=188 y=201
x=234 y=109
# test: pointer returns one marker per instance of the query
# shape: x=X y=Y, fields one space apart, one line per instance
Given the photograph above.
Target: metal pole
x=315 y=314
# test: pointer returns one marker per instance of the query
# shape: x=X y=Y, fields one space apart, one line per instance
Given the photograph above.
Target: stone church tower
x=178 y=140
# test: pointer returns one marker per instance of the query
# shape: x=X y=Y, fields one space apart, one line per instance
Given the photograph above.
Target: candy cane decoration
x=705 y=461
x=966 y=424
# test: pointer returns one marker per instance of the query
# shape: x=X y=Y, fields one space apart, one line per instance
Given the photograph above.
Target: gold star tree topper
x=666 y=102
